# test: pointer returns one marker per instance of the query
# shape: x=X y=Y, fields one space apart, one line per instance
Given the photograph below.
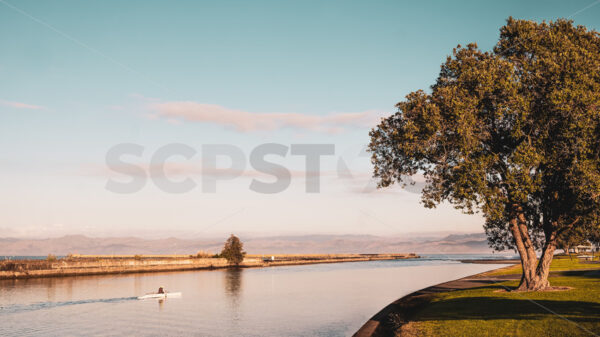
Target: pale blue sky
x=81 y=76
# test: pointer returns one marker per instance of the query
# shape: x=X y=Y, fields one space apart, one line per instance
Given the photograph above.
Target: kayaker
x=161 y=290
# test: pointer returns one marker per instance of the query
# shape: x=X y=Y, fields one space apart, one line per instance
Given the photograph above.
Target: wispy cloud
x=245 y=121
x=177 y=169
x=19 y=105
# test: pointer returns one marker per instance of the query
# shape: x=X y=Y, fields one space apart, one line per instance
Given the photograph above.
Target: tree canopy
x=513 y=133
x=233 y=250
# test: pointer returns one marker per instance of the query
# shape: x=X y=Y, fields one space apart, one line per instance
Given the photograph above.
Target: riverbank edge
x=404 y=307
x=108 y=266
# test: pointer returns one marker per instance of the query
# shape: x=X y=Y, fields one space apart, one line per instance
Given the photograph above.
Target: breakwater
x=118 y=264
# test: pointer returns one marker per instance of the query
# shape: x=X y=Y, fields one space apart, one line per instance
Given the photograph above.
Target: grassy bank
x=490 y=310
x=559 y=263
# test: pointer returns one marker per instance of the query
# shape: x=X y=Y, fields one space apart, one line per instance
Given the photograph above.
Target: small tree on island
x=513 y=133
x=233 y=250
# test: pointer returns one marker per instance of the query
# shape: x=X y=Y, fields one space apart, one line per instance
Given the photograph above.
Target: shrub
x=202 y=254
x=8 y=266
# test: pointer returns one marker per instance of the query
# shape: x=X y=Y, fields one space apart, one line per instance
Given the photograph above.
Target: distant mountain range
x=300 y=244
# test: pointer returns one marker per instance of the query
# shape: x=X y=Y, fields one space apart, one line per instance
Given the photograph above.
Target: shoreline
x=86 y=265
x=492 y=261
x=406 y=306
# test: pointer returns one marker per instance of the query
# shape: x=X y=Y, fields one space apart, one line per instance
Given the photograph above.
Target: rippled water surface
x=310 y=300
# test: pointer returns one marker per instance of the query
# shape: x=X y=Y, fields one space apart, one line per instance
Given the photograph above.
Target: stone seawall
x=90 y=265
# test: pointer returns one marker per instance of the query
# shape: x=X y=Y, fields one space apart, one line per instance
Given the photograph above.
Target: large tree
x=513 y=133
x=233 y=250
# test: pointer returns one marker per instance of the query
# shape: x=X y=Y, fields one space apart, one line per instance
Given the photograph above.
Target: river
x=307 y=300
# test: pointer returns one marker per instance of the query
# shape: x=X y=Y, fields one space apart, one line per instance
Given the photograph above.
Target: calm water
x=310 y=300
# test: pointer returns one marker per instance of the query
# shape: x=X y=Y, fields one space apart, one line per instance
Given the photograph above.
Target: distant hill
x=300 y=244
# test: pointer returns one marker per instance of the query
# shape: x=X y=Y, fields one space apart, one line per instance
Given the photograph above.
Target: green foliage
x=233 y=250
x=51 y=258
x=571 y=238
x=513 y=133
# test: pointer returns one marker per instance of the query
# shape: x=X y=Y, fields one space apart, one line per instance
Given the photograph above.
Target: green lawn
x=488 y=311
x=559 y=263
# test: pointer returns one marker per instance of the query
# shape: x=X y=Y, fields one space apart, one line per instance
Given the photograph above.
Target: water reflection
x=51 y=289
x=137 y=283
x=233 y=282
x=69 y=287
x=233 y=287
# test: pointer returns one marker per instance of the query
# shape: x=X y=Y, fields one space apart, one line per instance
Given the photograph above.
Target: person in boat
x=161 y=290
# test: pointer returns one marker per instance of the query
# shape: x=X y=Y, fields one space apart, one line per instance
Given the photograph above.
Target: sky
x=80 y=78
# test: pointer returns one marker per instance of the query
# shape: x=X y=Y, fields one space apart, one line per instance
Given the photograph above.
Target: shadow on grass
x=584 y=273
x=424 y=305
x=492 y=308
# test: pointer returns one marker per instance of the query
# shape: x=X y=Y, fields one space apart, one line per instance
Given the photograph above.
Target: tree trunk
x=535 y=273
x=570 y=256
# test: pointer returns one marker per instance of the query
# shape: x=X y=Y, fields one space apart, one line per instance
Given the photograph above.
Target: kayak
x=156 y=295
